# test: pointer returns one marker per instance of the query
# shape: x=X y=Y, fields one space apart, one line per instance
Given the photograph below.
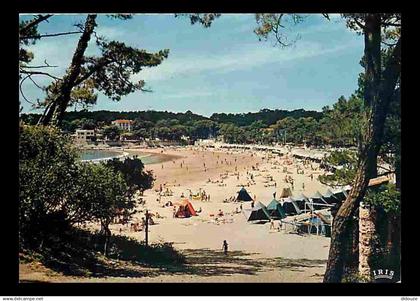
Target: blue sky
x=224 y=68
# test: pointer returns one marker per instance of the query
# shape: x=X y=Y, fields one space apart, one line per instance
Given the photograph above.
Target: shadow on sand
x=197 y=262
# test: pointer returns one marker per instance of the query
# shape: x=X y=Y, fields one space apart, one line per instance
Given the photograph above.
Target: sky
x=224 y=68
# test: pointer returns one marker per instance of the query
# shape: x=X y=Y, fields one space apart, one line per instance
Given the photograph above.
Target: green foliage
x=267 y=116
x=56 y=190
x=204 y=19
x=112 y=132
x=355 y=277
x=344 y=122
x=77 y=253
x=344 y=176
x=274 y=24
x=386 y=197
x=156 y=254
x=107 y=191
x=232 y=133
x=132 y=170
x=111 y=72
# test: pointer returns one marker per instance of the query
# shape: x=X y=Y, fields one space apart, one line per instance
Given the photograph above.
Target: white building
x=123 y=124
x=82 y=136
x=205 y=142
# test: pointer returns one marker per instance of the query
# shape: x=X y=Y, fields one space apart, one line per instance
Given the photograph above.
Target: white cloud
x=245 y=58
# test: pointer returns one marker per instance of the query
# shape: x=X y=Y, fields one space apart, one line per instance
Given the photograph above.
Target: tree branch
x=39 y=73
x=21 y=90
x=358 y=23
x=391 y=24
x=30 y=77
x=33 y=23
x=49 y=35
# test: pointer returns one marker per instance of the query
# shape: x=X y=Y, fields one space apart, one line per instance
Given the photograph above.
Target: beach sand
x=256 y=254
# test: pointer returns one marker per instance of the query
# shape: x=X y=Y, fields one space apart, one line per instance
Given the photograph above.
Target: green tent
x=243 y=195
x=257 y=214
x=275 y=210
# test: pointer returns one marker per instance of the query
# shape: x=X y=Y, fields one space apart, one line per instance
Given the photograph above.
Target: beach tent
x=290 y=207
x=300 y=200
x=258 y=213
x=275 y=210
x=340 y=194
x=286 y=193
x=316 y=202
x=243 y=195
x=329 y=197
x=185 y=209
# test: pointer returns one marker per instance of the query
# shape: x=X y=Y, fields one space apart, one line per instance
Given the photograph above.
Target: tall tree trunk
x=54 y=113
x=366 y=235
x=378 y=94
x=353 y=260
x=107 y=235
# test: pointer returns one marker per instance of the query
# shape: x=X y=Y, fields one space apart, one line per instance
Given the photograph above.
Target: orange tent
x=185 y=209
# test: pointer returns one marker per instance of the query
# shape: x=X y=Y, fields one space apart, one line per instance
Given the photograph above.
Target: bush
x=56 y=190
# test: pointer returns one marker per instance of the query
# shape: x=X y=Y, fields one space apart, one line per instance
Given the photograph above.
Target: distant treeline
x=267 y=116
x=338 y=125
x=107 y=116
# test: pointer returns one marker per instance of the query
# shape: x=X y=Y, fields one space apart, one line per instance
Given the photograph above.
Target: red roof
x=123 y=121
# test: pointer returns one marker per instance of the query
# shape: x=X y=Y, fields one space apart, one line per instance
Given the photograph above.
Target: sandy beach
x=256 y=253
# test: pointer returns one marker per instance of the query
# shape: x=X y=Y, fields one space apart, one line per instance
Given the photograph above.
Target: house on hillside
x=83 y=136
x=124 y=124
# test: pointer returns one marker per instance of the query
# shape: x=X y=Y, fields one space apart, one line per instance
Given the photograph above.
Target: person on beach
x=225 y=247
x=271 y=224
x=252 y=204
x=303 y=185
x=174 y=212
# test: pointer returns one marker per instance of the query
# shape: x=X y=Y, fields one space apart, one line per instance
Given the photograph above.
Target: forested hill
x=108 y=116
x=267 y=116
